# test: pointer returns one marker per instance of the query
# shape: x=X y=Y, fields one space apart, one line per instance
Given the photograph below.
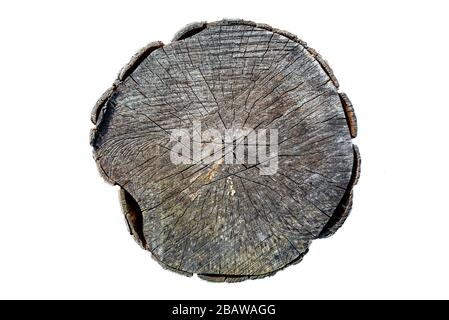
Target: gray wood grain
x=228 y=222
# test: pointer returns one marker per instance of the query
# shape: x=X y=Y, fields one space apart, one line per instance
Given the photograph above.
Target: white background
x=62 y=234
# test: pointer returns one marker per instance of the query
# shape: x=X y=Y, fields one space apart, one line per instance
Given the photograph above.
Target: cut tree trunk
x=228 y=221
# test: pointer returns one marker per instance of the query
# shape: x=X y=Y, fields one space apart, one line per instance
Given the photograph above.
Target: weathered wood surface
x=228 y=222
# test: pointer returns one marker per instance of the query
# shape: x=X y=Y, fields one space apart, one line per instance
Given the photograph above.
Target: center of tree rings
x=232 y=148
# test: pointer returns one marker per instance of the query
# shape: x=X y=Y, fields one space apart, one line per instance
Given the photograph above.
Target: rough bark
x=228 y=222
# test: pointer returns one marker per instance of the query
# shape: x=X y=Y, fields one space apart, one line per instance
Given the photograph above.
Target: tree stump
x=222 y=220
